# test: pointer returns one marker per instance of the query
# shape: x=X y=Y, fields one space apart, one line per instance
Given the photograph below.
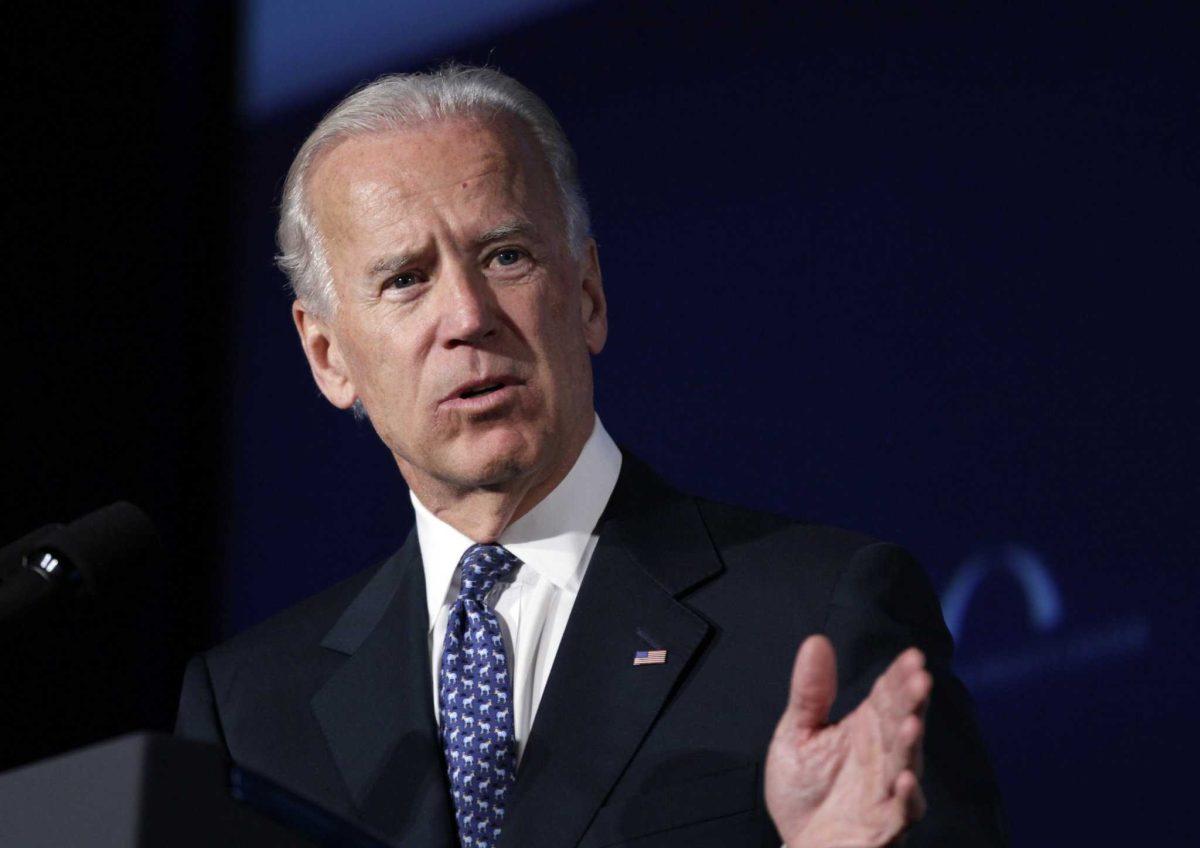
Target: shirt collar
x=551 y=538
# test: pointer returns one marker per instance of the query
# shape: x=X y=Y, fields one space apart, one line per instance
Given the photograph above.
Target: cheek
x=383 y=370
x=559 y=332
x=556 y=314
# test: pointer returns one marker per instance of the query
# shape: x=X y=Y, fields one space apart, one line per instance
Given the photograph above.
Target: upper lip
x=479 y=383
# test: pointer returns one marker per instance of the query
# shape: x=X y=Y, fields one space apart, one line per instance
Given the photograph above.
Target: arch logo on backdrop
x=1044 y=642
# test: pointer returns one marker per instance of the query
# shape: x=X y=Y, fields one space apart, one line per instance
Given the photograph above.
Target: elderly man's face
x=463 y=322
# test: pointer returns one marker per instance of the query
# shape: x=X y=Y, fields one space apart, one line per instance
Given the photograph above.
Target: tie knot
x=482 y=566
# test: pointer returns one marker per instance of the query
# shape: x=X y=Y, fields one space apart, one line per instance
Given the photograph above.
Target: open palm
x=854 y=783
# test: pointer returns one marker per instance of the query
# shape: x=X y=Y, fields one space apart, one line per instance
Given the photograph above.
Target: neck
x=483 y=513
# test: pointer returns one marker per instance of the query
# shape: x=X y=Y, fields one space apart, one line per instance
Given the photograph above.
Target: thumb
x=814 y=684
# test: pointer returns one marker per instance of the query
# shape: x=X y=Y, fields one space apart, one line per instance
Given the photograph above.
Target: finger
x=908 y=664
x=910 y=796
x=917 y=689
x=901 y=738
x=904 y=805
x=814 y=683
x=924 y=691
x=905 y=685
x=912 y=733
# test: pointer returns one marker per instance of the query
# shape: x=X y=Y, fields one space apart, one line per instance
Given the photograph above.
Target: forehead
x=379 y=179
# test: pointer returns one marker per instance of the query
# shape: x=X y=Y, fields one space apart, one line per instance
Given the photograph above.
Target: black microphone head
x=119 y=534
x=106 y=553
x=13 y=553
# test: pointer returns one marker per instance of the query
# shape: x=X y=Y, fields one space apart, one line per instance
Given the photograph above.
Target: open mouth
x=481 y=390
x=473 y=395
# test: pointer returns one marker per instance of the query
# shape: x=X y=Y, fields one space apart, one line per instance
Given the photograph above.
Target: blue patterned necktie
x=476 y=703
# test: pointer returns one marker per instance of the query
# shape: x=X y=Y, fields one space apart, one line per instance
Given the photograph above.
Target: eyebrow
x=395 y=262
x=515 y=227
x=392 y=263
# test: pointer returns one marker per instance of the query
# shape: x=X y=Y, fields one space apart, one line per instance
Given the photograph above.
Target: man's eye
x=509 y=256
x=403 y=281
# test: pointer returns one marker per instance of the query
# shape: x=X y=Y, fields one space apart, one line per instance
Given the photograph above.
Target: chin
x=497 y=458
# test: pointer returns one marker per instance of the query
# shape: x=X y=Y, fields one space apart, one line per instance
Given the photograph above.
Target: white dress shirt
x=555 y=541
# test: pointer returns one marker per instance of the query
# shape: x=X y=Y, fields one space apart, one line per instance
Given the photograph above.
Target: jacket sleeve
x=882 y=604
x=198 y=718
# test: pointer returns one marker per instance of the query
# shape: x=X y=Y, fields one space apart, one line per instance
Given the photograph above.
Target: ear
x=593 y=306
x=324 y=356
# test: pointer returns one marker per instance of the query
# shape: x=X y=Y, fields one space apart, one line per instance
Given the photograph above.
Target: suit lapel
x=598 y=707
x=376 y=710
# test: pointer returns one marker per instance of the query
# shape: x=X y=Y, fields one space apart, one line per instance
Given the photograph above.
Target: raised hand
x=854 y=783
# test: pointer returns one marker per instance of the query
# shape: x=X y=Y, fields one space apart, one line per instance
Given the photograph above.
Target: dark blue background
x=927 y=273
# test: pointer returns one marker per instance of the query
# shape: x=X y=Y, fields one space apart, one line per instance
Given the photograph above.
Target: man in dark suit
x=566 y=651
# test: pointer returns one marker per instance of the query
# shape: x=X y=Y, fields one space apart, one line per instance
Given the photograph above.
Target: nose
x=469 y=309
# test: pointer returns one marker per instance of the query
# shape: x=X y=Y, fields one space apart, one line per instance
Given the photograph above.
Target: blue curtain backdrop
x=926 y=274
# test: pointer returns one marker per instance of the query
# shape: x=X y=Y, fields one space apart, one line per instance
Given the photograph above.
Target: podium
x=150 y=790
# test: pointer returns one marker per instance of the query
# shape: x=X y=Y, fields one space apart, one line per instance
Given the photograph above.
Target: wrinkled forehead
x=365 y=180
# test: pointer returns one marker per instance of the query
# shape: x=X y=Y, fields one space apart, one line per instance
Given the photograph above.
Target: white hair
x=406 y=100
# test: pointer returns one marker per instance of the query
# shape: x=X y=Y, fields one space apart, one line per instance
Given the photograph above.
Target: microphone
x=83 y=558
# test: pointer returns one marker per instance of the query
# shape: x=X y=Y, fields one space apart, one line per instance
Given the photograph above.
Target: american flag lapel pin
x=655 y=657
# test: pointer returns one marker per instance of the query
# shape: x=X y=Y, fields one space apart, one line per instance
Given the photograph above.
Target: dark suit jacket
x=332 y=698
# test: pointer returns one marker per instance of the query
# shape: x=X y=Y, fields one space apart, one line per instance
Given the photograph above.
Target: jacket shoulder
x=297 y=628
x=831 y=567
x=739 y=532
